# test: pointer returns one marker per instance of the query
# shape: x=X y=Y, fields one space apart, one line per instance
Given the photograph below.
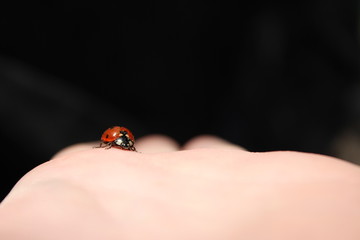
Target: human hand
x=211 y=190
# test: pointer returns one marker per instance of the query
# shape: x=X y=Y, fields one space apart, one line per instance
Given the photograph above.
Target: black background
x=264 y=75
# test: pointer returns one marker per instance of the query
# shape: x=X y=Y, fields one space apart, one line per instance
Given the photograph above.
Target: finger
x=210 y=141
x=76 y=148
x=156 y=143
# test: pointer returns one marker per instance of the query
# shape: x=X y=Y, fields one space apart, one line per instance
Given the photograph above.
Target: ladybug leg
x=100 y=145
x=108 y=145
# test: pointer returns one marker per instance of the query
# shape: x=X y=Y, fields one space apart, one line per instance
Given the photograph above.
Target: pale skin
x=207 y=189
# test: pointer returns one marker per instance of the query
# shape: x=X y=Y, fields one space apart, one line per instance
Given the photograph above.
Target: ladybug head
x=124 y=142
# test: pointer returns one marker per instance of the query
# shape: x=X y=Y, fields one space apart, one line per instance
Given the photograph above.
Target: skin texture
x=210 y=189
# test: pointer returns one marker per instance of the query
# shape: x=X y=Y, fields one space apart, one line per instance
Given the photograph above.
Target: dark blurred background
x=263 y=75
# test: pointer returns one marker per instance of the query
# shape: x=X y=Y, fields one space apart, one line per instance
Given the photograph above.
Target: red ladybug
x=119 y=137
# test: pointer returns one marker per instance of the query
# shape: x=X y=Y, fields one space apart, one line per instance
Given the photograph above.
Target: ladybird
x=119 y=137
